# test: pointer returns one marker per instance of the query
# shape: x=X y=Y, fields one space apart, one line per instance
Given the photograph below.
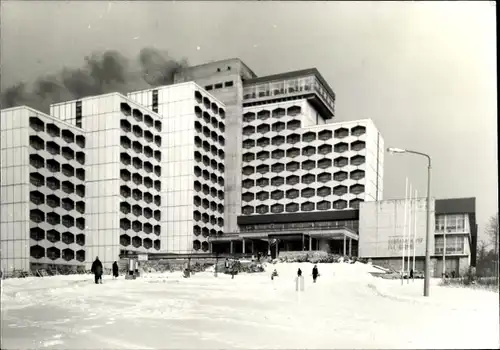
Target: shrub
x=475 y=282
x=314 y=257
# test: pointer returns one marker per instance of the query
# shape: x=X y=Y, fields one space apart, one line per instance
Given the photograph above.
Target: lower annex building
x=384 y=235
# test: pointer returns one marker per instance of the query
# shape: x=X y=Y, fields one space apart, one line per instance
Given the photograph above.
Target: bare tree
x=482 y=249
x=492 y=232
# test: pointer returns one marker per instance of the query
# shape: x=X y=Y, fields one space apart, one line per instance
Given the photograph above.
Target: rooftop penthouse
x=307 y=83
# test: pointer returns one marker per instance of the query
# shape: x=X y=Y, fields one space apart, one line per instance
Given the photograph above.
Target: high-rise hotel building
x=193 y=157
x=123 y=199
x=42 y=191
x=222 y=160
x=294 y=174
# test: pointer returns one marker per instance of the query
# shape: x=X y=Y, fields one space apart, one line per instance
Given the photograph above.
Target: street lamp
x=427 y=264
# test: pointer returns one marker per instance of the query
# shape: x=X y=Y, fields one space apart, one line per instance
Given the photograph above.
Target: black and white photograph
x=248 y=175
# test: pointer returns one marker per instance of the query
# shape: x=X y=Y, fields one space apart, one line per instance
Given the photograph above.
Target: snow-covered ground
x=347 y=308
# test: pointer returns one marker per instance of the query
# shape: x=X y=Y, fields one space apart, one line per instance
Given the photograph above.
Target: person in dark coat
x=299 y=272
x=234 y=266
x=96 y=269
x=315 y=273
x=115 y=269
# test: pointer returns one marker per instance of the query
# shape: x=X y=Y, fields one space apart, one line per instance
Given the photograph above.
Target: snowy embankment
x=346 y=308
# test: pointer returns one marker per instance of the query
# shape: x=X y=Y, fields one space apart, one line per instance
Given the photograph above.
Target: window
x=450 y=223
x=438 y=245
x=78 y=114
x=455 y=223
x=454 y=245
x=218 y=69
x=155 y=101
x=209 y=87
x=439 y=223
x=461 y=223
x=228 y=84
x=218 y=86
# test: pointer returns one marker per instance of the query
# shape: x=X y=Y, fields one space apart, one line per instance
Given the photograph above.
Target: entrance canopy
x=225 y=238
x=333 y=234
x=336 y=234
x=290 y=240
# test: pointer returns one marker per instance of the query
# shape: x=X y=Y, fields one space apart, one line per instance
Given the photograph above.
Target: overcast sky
x=424 y=72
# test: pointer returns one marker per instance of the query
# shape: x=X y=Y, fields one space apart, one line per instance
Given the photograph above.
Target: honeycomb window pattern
x=279 y=153
x=56 y=192
x=140 y=182
x=208 y=200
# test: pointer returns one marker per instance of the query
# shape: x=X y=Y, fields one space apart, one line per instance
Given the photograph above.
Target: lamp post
x=429 y=223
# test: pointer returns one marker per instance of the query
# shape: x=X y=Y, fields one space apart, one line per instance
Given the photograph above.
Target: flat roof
x=227 y=60
x=44 y=115
x=290 y=75
x=332 y=233
x=456 y=205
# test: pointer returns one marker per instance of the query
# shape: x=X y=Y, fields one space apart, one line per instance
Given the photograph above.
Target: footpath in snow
x=346 y=308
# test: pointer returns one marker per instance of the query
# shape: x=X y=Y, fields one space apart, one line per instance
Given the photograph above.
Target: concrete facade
x=291 y=165
x=124 y=174
x=193 y=164
x=42 y=191
x=383 y=232
x=297 y=163
x=224 y=80
x=270 y=117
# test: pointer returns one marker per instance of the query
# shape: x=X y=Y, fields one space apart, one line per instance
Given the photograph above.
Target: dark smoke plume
x=101 y=73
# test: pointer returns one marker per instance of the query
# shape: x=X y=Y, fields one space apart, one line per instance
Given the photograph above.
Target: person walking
x=115 y=270
x=315 y=273
x=96 y=269
x=299 y=281
x=234 y=266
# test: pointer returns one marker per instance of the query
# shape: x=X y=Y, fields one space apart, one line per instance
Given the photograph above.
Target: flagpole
x=410 y=204
x=408 y=231
x=404 y=233
x=415 y=231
